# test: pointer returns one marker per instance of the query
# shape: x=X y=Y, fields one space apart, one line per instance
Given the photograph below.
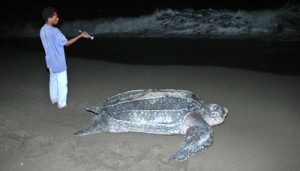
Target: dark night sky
x=26 y=10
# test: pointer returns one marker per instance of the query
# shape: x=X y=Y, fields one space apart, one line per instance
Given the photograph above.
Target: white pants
x=58 y=87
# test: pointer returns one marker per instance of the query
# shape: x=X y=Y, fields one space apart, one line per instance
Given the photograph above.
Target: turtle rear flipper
x=95 y=109
x=197 y=139
x=100 y=125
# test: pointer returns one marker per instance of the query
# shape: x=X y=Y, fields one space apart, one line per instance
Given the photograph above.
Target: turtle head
x=215 y=115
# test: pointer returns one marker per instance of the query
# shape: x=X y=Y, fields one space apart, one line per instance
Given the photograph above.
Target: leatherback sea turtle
x=160 y=111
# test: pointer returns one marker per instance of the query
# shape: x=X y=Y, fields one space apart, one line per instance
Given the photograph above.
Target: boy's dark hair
x=48 y=13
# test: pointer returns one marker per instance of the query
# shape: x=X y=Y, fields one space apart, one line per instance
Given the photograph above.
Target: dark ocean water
x=255 y=35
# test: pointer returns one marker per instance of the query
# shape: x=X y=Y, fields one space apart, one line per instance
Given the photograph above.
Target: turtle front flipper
x=197 y=139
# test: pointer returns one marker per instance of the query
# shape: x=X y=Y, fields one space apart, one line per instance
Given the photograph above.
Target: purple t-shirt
x=54 y=41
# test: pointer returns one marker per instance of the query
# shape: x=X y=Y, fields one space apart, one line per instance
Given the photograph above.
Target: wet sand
x=256 y=54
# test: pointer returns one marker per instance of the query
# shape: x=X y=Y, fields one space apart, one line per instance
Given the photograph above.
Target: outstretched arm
x=73 y=40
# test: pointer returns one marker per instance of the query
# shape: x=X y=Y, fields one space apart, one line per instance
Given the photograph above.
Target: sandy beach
x=261 y=131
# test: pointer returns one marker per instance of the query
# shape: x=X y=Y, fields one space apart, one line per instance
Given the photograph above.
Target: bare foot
x=65 y=106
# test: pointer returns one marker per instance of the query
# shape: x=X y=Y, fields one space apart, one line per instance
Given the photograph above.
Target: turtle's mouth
x=215 y=121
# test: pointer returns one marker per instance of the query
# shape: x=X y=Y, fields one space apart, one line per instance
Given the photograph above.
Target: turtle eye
x=216 y=108
x=214 y=114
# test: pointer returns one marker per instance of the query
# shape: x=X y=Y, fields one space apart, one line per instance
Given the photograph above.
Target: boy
x=53 y=42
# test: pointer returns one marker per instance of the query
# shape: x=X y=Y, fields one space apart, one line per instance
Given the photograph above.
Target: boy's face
x=54 y=20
